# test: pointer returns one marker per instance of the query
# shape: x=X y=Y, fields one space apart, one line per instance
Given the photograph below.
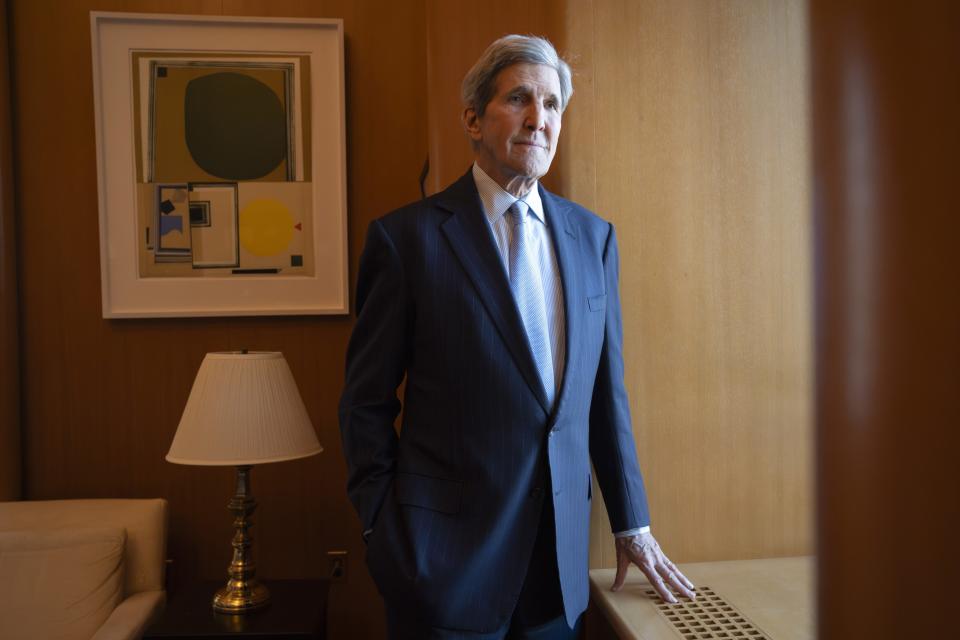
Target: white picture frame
x=312 y=279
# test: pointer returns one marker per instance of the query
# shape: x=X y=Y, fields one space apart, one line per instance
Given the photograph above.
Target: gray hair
x=479 y=85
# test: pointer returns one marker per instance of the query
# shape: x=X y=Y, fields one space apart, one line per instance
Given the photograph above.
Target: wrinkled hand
x=643 y=551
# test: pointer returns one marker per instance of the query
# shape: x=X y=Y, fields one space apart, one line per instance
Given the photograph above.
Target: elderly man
x=498 y=301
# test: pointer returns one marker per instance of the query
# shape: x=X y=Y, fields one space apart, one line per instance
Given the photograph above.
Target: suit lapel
x=472 y=241
x=567 y=249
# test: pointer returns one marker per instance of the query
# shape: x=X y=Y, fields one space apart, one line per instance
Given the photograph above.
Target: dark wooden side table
x=297 y=610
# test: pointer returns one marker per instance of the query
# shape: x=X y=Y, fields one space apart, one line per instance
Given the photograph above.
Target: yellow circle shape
x=266 y=227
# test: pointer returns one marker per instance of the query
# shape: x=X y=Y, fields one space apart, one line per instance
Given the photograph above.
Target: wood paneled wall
x=102 y=399
x=885 y=138
x=688 y=130
x=10 y=450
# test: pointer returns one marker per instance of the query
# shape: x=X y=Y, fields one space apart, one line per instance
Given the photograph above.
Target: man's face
x=516 y=138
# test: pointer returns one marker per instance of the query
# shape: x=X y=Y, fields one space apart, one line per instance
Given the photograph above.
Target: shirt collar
x=496 y=200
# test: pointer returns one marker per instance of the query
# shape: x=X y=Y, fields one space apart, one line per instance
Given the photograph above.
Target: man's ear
x=471 y=123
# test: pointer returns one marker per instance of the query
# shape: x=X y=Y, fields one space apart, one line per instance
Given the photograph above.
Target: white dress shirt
x=496 y=201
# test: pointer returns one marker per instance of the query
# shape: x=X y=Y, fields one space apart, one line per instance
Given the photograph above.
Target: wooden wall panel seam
x=11 y=440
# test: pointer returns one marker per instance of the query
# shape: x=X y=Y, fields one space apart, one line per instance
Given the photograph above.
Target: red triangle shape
x=298 y=226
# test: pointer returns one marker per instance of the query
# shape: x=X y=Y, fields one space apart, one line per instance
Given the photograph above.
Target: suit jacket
x=454 y=501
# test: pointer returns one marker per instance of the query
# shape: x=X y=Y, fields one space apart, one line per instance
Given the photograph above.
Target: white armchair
x=81 y=569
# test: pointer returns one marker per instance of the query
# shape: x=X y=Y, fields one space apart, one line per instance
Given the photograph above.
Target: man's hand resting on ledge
x=643 y=551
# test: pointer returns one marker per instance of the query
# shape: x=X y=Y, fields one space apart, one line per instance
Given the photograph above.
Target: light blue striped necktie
x=527 y=290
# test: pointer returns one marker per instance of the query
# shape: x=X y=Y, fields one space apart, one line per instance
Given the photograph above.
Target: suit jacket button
x=535 y=493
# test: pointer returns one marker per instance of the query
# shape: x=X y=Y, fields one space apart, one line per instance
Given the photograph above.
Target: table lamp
x=244 y=409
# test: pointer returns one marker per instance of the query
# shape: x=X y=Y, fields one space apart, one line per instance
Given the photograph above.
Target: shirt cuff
x=632 y=532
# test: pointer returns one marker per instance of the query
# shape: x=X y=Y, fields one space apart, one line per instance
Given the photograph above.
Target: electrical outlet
x=337 y=565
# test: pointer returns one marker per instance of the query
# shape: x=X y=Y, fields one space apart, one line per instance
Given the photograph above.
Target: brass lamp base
x=239 y=597
x=243 y=592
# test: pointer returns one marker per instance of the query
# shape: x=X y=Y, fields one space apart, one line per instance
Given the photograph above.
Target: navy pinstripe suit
x=454 y=502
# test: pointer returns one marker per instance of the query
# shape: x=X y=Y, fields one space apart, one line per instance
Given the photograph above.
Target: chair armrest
x=132 y=616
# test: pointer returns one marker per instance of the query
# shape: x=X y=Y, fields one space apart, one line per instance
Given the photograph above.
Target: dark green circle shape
x=235 y=126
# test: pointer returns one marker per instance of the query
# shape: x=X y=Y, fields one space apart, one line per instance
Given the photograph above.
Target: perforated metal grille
x=709 y=617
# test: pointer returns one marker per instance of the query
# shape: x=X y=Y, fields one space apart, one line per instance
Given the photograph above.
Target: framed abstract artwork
x=221 y=165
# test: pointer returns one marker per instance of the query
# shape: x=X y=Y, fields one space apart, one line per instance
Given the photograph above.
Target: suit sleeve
x=376 y=362
x=612 y=447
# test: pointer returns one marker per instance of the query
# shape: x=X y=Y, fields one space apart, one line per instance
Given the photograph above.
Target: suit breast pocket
x=597 y=303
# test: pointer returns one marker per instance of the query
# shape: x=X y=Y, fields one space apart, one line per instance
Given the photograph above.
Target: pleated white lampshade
x=244 y=409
